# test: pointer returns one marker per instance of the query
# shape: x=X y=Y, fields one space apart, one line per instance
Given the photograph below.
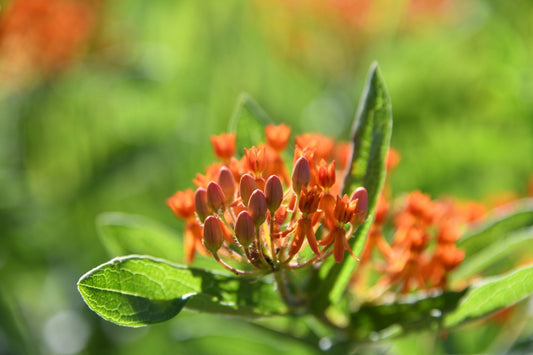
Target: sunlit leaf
x=371 y=138
x=248 y=121
x=492 y=294
x=139 y=290
x=520 y=216
x=475 y=265
x=124 y=234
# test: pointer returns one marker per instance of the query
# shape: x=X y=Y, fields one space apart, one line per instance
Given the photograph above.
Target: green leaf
x=520 y=216
x=124 y=234
x=139 y=290
x=248 y=121
x=371 y=321
x=477 y=263
x=371 y=136
x=492 y=294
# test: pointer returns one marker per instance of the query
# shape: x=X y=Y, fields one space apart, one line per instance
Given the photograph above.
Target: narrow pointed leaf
x=492 y=294
x=139 y=290
x=519 y=217
x=124 y=234
x=371 y=136
x=248 y=121
x=476 y=264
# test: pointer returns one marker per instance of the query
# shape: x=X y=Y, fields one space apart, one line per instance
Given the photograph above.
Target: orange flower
x=182 y=204
x=256 y=160
x=393 y=159
x=323 y=146
x=345 y=211
x=326 y=174
x=277 y=136
x=304 y=229
x=42 y=36
x=224 y=145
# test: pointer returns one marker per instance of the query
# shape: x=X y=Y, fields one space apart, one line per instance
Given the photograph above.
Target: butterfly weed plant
x=309 y=230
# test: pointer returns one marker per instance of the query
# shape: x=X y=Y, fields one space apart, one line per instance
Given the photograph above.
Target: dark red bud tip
x=213 y=234
x=247 y=185
x=227 y=183
x=215 y=196
x=301 y=174
x=257 y=207
x=273 y=193
x=200 y=204
x=361 y=195
x=244 y=229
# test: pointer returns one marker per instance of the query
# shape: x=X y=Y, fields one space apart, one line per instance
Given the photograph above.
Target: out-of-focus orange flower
x=323 y=146
x=41 y=37
x=393 y=159
x=277 y=136
x=224 y=145
x=183 y=205
x=343 y=153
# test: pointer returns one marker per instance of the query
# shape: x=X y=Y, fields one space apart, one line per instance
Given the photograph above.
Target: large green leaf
x=248 y=121
x=492 y=294
x=416 y=314
x=124 y=234
x=498 y=227
x=139 y=290
x=511 y=245
x=371 y=136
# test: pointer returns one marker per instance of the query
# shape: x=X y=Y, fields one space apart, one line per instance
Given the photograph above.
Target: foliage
x=140 y=290
x=124 y=122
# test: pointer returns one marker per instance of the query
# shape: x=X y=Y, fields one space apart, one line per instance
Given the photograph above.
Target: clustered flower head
x=416 y=239
x=422 y=250
x=251 y=210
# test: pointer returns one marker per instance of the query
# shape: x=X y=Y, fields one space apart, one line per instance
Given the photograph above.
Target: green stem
x=284 y=292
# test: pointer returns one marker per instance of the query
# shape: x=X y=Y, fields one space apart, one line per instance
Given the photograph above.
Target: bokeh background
x=109 y=105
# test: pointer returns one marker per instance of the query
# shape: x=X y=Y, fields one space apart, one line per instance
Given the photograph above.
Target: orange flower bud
x=247 y=185
x=326 y=174
x=277 y=136
x=301 y=174
x=213 y=234
x=257 y=207
x=200 y=203
x=273 y=193
x=244 y=229
x=227 y=183
x=224 y=145
x=361 y=195
x=215 y=196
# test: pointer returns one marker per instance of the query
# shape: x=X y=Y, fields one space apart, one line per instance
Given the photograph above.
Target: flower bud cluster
x=249 y=210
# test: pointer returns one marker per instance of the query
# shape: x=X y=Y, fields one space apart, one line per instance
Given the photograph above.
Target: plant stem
x=284 y=292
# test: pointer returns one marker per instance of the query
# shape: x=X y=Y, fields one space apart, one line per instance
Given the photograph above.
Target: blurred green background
x=127 y=123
